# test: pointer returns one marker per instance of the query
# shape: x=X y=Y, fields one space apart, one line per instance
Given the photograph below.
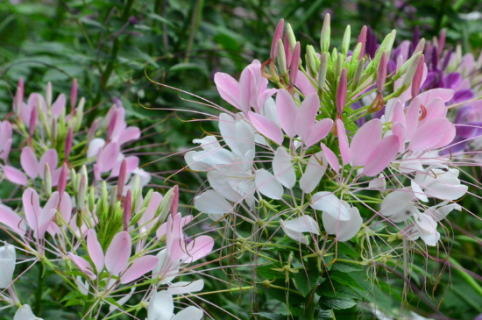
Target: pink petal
x=83 y=265
x=95 y=250
x=146 y=221
x=31 y=207
x=448 y=136
x=15 y=176
x=29 y=162
x=247 y=89
x=199 y=248
x=331 y=157
x=343 y=141
x=412 y=116
x=365 y=141
x=304 y=84
x=287 y=111
x=118 y=253
x=429 y=134
x=266 y=127
x=107 y=157
x=58 y=106
x=228 y=88
x=319 y=131
x=444 y=94
x=129 y=134
x=307 y=115
x=50 y=156
x=140 y=267
x=12 y=220
x=381 y=157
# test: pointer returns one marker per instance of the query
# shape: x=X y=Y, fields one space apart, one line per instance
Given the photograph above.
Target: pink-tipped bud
x=341 y=92
x=68 y=144
x=175 y=201
x=295 y=64
x=73 y=96
x=362 y=38
x=127 y=210
x=278 y=35
x=420 y=46
x=287 y=50
x=417 y=77
x=33 y=121
x=441 y=41
x=112 y=123
x=93 y=128
x=62 y=180
x=121 y=181
x=382 y=72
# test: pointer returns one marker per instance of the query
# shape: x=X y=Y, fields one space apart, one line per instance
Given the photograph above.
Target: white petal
x=304 y=223
x=25 y=313
x=268 y=185
x=190 y=313
x=398 y=205
x=427 y=227
x=314 y=172
x=441 y=212
x=161 y=306
x=94 y=147
x=344 y=230
x=183 y=287
x=329 y=203
x=445 y=191
x=295 y=235
x=379 y=183
x=418 y=192
x=283 y=168
x=220 y=183
x=212 y=202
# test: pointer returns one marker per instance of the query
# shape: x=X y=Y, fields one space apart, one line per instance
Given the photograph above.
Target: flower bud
x=64 y=172
x=79 y=114
x=19 y=96
x=291 y=36
x=32 y=122
x=311 y=60
x=288 y=51
x=175 y=201
x=441 y=41
x=420 y=46
x=345 y=43
x=322 y=71
x=281 y=58
x=382 y=72
x=111 y=127
x=126 y=216
x=341 y=92
x=278 y=35
x=121 y=181
x=407 y=80
x=48 y=96
x=68 y=144
x=362 y=38
x=295 y=64
x=92 y=130
x=325 y=34
x=91 y=199
x=73 y=96
x=358 y=75
x=417 y=78
x=81 y=193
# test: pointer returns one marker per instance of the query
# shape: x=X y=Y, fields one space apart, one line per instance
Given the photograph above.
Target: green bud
x=322 y=71
x=358 y=73
x=47 y=180
x=386 y=45
x=165 y=206
x=325 y=34
x=79 y=114
x=407 y=80
x=91 y=199
x=345 y=43
x=338 y=65
x=312 y=60
x=81 y=194
x=356 y=54
x=281 y=58
x=407 y=65
x=291 y=36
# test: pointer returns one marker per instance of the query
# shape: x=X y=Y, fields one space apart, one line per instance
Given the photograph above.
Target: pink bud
x=295 y=64
x=175 y=201
x=441 y=41
x=278 y=35
x=341 y=92
x=73 y=95
x=362 y=38
x=382 y=72
x=287 y=49
x=121 y=181
x=112 y=123
x=32 y=122
x=68 y=144
x=417 y=78
x=19 y=96
x=62 y=180
x=93 y=128
x=127 y=210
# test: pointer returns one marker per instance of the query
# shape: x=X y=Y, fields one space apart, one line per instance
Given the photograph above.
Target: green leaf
x=306 y=280
x=346 y=267
x=70 y=295
x=345 y=279
x=74 y=302
x=188 y=66
x=338 y=304
x=324 y=314
x=271 y=316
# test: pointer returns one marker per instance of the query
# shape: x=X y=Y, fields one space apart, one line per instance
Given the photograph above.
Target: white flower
x=161 y=307
x=25 y=313
x=295 y=228
x=441 y=183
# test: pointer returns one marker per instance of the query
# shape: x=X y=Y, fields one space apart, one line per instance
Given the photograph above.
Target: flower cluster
x=103 y=237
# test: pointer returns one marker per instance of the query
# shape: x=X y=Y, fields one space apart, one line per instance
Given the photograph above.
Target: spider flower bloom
x=7 y=265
